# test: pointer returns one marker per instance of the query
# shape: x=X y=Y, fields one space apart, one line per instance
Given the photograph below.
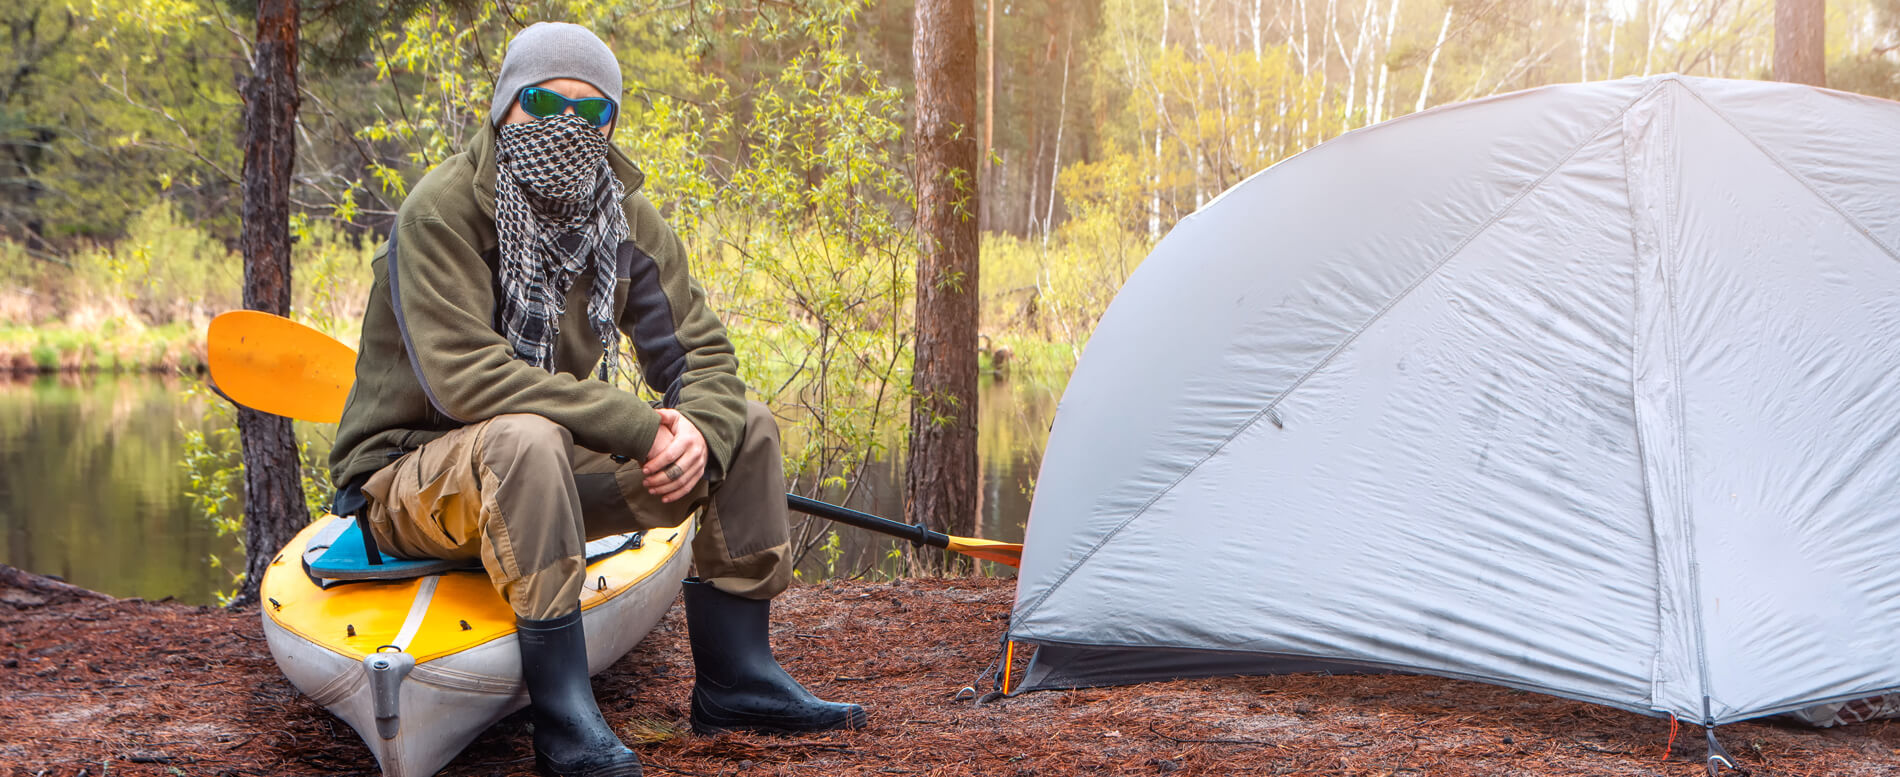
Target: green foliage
x=1052 y=294
x=142 y=302
x=811 y=268
x=101 y=349
x=214 y=470
x=143 y=108
x=332 y=269
x=167 y=269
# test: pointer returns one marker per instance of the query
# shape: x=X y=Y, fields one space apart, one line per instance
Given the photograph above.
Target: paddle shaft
x=845 y=515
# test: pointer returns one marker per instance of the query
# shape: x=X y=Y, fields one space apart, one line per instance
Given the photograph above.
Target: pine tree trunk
x=988 y=221
x=274 y=508
x=941 y=477
x=1801 y=41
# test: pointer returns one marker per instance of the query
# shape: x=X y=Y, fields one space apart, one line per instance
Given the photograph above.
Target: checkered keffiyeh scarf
x=557 y=212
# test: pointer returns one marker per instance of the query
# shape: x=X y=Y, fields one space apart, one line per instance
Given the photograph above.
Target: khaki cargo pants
x=517 y=493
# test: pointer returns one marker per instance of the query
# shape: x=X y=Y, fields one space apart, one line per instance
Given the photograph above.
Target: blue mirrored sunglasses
x=542 y=103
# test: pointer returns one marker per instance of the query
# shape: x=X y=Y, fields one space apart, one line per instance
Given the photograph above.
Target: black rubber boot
x=571 y=739
x=738 y=684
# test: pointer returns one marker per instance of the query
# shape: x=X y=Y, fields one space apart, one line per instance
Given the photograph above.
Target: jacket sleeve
x=682 y=346
x=443 y=297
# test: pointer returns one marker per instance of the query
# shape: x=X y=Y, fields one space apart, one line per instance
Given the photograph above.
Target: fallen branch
x=15 y=577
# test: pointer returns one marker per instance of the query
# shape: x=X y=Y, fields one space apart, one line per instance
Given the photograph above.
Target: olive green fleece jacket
x=432 y=358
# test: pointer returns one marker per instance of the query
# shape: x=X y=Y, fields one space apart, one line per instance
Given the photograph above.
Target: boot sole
x=856 y=719
x=547 y=769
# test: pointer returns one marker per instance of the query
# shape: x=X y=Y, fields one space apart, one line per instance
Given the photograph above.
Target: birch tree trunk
x=1303 y=49
x=1161 y=120
x=1352 y=65
x=1583 y=48
x=1192 y=143
x=941 y=475
x=1609 y=69
x=1431 y=63
x=1325 y=50
x=274 y=508
x=1055 y=165
x=1385 y=64
x=1650 y=30
x=1254 y=19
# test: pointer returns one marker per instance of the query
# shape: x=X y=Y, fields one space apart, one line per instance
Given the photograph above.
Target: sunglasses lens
x=541 y=103
x=595 y=111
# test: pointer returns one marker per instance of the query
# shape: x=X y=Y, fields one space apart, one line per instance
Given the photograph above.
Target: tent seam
x=1637 y=341
x=1890 y=251
x=1672 y=243
x=1480 y=229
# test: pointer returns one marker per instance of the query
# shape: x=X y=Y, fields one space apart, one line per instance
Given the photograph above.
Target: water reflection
x=1012 y=427
x=91 y=489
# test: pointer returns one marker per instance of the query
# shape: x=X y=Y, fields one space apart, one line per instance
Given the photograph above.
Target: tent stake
x=1719 y=758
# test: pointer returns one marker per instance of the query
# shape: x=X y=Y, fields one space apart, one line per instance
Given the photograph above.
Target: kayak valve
x=386 y=672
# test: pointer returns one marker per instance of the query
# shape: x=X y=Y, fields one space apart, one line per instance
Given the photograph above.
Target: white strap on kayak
x=420 y=607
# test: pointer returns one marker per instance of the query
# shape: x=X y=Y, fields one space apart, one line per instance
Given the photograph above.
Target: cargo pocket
x=441 y=520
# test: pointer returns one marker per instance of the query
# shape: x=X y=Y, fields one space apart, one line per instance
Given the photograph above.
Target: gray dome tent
x=1592 y=390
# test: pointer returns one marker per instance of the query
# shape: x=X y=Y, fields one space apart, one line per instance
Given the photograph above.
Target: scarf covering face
x=557 y=213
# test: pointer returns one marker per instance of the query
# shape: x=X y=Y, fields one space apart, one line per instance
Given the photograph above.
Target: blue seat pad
x=347 y=559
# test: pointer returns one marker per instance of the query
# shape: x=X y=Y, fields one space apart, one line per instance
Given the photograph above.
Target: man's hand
x=678 y=458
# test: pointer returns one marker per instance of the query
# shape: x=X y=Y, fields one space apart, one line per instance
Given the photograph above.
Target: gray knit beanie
x=554 y=50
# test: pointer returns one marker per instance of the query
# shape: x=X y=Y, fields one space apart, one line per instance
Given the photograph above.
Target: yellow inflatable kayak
x=420 y=667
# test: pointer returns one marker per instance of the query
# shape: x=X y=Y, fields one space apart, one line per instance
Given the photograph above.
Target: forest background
x=776 y=138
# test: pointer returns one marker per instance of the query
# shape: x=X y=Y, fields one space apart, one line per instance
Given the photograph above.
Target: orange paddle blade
x=989 y=550
x=275 y=365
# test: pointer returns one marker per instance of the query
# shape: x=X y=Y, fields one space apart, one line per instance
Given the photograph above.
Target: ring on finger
x=673 y=472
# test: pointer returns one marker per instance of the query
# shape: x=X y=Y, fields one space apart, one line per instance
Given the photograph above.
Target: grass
x=170 y=347
x=142 y=302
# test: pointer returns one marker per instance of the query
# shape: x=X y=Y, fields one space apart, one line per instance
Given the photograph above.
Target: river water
x=92 y=488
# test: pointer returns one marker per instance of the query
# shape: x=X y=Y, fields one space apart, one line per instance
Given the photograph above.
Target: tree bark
x=1801 y=41
x=274 y=507
x=941 y=477
x=989 y=115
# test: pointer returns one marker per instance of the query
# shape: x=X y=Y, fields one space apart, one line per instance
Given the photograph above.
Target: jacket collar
x=481 y=149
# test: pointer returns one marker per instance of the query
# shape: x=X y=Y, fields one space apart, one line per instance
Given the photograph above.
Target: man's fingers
x=667 y=463
x=692 y=468
x=658 y=470
x=674 y=489
x=668 y=435
x=667 y=456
